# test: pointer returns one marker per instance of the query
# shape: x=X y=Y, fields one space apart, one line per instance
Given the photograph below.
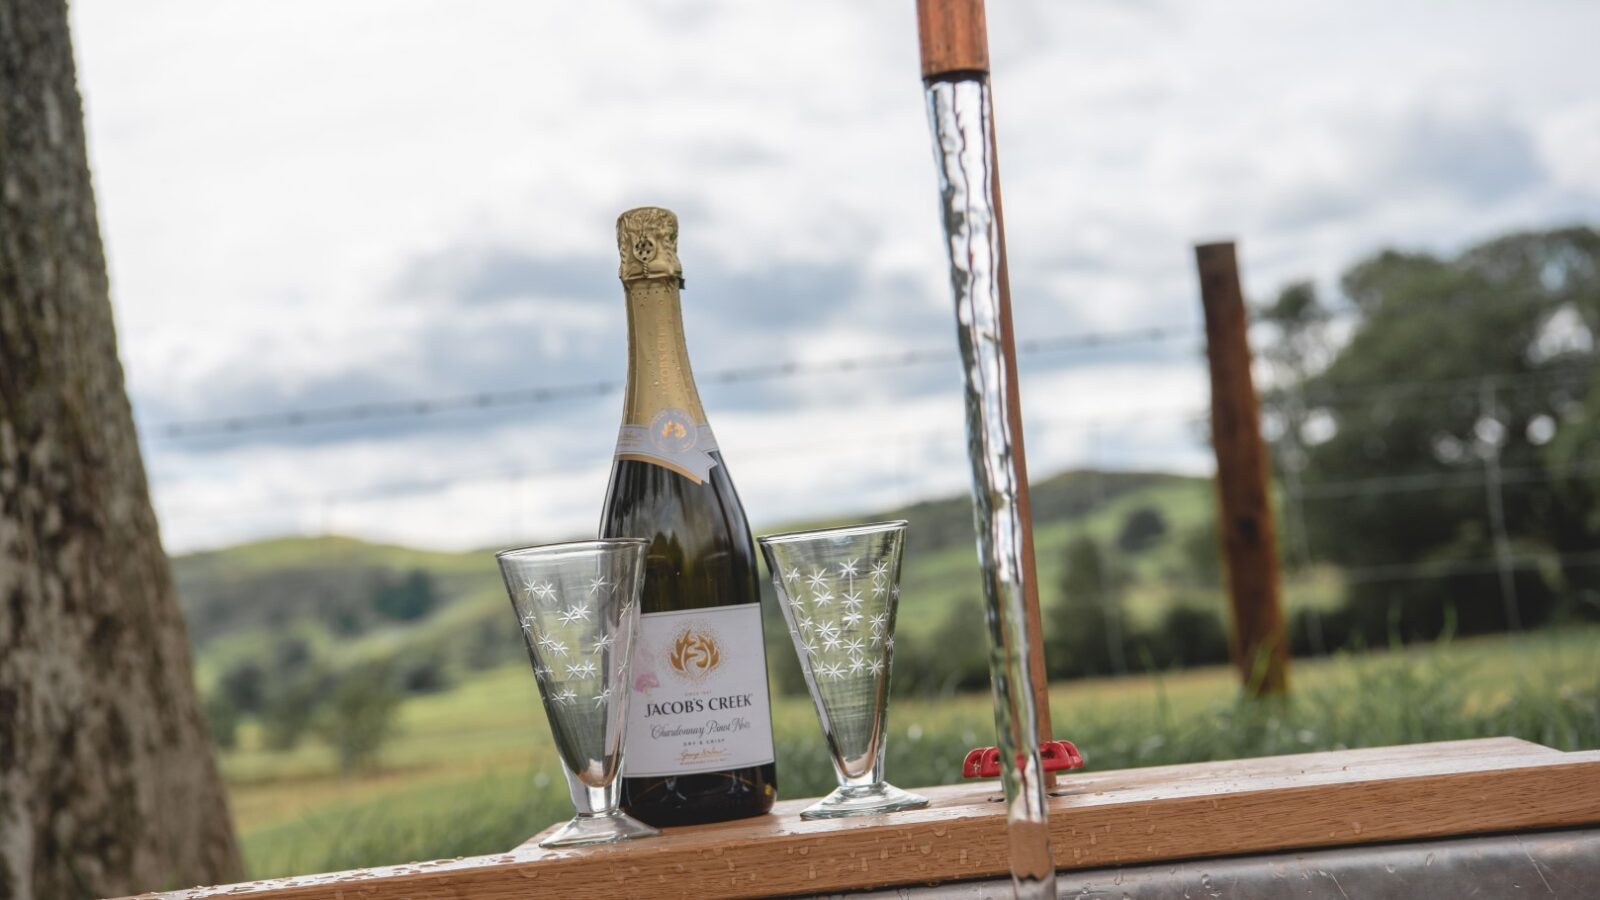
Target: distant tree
x=912 y=672
x=1456 y=366
x=1302 y=345
x=422 y=671
x=291 y=654
x=1085 y=629
x=952 y=657
x=359 y=716
x=1202 y=553
x=223 y=720
x=406 y=600
x=243 y=686
x=494 y=640
x=1143 y=528
x=107 y=781
x=1189 y=635
x=291 y=708
x=960 y=648
x=345 y=622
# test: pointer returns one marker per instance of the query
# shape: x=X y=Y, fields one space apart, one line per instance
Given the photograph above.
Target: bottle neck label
x=672 y=440
x=662 y=420
x=699 y=693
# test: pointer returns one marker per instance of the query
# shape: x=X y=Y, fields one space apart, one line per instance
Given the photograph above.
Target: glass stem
x=592 y=801
x=867 y=779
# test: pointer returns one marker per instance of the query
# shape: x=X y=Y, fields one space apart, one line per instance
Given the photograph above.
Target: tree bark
x=107 y=782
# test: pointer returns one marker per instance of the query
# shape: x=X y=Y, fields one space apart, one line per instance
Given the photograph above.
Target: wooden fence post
x=1244 y=503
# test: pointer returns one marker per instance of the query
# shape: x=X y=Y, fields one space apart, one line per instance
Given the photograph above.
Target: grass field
x=472 y=769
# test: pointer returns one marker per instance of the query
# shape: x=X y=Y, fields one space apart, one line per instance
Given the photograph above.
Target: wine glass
x=838 y=589
x=578 y=605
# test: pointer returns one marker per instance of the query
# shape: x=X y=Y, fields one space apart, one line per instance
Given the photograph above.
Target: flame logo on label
x=695 y=653
x=672 y=430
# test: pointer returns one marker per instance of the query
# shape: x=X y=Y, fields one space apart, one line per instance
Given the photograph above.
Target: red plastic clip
x=1055 y=756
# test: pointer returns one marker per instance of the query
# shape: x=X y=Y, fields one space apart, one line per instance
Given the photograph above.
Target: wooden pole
x=1244 y=508
x=954 y=38
x=955 y=43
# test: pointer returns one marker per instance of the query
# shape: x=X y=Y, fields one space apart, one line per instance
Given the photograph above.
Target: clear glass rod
x=963 y=145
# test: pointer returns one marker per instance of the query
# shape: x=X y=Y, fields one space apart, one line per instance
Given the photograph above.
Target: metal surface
x=1561 y=864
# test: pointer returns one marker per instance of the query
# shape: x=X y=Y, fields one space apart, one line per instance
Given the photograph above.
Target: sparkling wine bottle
x=699 y=739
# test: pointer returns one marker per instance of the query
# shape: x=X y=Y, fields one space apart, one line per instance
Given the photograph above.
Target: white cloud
x=271 y=175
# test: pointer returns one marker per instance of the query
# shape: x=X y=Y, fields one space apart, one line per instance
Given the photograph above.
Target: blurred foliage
x=406 y=599
x=1191 y=634
x=358 y=716
x=423 y=672
x=222 y=719
x=243 y=687
x=1452 y=366
x=293 y=705
x=1085 y=635
x=1143 y=528
x=1202 y=555
x=953 y=658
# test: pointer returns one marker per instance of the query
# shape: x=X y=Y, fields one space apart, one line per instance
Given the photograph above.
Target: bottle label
x=699 y=701
x=672 y=439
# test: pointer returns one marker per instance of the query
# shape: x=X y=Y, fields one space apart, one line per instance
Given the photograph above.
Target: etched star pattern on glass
x=838 y=589
x=578 y=606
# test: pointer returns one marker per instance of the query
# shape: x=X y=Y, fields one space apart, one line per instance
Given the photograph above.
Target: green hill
x=942 y=561
x=343 y=600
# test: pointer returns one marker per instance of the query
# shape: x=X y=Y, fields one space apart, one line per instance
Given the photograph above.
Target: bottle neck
x=659 y=376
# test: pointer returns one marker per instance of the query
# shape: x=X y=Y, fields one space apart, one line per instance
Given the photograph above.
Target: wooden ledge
x=1098 y=819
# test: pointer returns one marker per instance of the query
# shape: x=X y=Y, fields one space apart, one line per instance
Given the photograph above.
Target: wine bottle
x=699 y=740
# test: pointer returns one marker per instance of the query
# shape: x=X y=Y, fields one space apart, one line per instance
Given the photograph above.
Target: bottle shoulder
x=700 y=551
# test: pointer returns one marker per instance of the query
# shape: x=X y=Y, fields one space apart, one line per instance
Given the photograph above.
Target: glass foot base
x=869 y=800
x=602 y=828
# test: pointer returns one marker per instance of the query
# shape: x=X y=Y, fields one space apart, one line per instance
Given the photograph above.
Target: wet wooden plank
x=1097 y=819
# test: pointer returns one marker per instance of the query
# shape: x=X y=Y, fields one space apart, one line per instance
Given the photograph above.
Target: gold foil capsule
x=647 y=238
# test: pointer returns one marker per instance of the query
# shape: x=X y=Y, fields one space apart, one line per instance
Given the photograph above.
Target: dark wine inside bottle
x=700 y=556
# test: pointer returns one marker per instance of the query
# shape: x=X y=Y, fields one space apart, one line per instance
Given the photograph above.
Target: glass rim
x=591 y=543
x=811 y=534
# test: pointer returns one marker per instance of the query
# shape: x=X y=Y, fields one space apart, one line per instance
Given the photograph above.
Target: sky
x=314 y=204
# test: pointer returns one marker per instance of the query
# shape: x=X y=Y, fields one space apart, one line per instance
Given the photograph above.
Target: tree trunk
x=107 y=783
